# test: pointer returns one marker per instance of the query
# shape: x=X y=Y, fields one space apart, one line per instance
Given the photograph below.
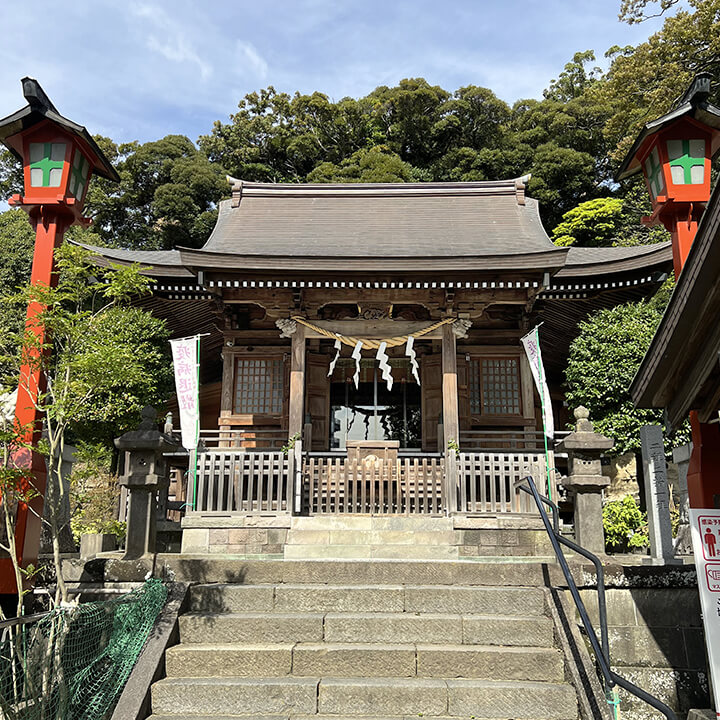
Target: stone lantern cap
x=145 y=467
x=147 y=436
x=584 y=447
x=585 y=440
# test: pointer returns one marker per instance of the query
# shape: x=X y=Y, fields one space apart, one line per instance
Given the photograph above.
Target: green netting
x=73 y=663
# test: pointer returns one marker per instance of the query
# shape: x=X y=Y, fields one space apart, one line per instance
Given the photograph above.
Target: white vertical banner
x=531 y=343
x=705 y=528
x=185 y=362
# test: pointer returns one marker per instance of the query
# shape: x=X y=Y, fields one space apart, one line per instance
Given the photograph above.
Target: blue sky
x=141 y=69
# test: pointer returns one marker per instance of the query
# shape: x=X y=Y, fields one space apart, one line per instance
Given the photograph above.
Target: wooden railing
x=409 y=485
x=487 y=480
x=235 y=480
x=263 y=439
x=504 y=440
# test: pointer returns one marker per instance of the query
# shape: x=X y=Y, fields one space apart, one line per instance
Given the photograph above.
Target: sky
x=143 y=69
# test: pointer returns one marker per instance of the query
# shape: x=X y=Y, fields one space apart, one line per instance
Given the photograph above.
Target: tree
x=90 y=356
x=17 y=241
x=374 y=165
x=609 y=221
x=602 y=363
x=167 y=196
x=594 y=223
x=643 y=82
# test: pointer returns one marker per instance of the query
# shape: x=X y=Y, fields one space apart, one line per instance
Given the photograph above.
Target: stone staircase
x=365 y=651
x=365 y=537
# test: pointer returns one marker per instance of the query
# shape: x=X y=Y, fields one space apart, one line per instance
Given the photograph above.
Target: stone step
x=378 y=598
x=363 y=697
x=251 y=628
x=308 y=717
x=371 y=522
x=211 y=568
x=235 y=696
x=370 y=552
x=372 y=537
x=365 y=660
x=376 y=627
x=440 y=628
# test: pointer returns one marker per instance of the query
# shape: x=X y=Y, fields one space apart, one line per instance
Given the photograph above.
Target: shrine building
x=361 y=349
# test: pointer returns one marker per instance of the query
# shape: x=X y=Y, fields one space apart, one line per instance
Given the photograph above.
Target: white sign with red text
x=705 y=526
x=185 y=362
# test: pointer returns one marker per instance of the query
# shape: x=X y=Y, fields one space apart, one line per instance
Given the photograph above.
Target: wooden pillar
x=450 y=414
x=296 y=412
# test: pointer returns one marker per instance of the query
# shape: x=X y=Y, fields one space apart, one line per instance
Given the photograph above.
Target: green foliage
x=643 y=81
x=94 y=493
x=291 y=443
x=593 y=223
x=625 y=525
x=377 y=165
x=107 y=360
x=571 y=141
x=167 y=196
x=609 y=221
x=17 y=241
x=602 y=362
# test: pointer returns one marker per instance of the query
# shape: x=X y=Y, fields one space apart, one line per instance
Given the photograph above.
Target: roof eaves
x=703 y=262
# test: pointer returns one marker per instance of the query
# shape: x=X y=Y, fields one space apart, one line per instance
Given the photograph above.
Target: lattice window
x=495 y=386
x=258 y=386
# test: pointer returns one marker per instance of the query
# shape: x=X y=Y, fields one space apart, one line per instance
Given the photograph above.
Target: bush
x=94 y=493
x=625 y=525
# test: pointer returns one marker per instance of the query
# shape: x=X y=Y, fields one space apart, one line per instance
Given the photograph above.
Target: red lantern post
x=674 y=154
x=59 y=158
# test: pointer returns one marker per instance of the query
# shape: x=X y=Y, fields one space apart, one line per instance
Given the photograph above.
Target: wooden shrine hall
x=363 y=347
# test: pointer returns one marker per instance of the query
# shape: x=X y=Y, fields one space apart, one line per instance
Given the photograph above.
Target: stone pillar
x=586 y=481
x=145 y=473
x=657 y=496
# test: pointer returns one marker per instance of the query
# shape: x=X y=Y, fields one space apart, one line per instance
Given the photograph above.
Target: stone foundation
x=365 y=537
x=235 y=535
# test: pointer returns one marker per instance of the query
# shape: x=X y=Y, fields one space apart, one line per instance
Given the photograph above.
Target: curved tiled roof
x=159 y=262
x=603 y=260
x=483 y=224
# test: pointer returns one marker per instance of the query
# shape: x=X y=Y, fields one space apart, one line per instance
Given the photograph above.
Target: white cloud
x=248 y=53
x=174 y=46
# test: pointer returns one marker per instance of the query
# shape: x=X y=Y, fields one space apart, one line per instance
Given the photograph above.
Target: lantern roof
x=693 y=105
x=40 y=109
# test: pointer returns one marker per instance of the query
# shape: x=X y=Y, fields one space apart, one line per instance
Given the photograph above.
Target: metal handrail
x=602 y=649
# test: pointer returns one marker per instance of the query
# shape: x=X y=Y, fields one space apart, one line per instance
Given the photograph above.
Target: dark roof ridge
x=509 y=186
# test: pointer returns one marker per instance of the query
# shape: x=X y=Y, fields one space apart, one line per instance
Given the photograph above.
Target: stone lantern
x=585 y=481
x=145 y=474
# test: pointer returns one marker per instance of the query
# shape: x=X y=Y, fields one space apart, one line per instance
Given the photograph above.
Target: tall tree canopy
x=571 y=140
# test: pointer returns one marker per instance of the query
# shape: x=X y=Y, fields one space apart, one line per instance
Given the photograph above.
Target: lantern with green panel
x=59 y=157
x=674 y=153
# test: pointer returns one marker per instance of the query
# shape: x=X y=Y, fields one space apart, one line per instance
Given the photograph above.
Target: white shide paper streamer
x=356 y=356
x=338 y=346
x=382 y=357
x=410 y=352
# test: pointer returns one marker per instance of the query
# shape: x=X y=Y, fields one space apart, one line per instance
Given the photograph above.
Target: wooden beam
x=451 y=421
x=373 y=329
x=297 y=382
